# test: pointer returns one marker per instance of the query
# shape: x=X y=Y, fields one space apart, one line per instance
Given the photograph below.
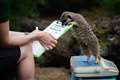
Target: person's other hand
x=47 y=40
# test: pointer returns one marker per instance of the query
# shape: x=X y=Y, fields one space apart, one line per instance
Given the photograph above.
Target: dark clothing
x=8 y=56
x=4 y=10
x=8 y=62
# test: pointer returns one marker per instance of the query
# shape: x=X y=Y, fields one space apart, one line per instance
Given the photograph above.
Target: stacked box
x=82 y=69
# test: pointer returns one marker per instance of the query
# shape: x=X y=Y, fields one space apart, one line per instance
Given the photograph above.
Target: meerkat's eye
x=69 y=17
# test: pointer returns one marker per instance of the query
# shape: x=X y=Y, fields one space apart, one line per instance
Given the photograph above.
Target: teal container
x=73 y=77
x=80 y=70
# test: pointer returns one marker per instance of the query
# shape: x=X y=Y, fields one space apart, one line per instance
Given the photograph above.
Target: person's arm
x=4 y=31
x=19 y=38
x=9 y=38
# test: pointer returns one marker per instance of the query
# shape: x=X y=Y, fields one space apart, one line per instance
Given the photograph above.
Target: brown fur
x=84 y=34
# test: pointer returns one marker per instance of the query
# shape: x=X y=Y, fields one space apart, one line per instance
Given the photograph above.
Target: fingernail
x=51 y=48
x=55 y=41
x=46 y=48
x=54 y=45
x=36 y=28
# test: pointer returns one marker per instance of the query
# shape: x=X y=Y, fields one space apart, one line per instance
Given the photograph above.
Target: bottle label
x=56 y=29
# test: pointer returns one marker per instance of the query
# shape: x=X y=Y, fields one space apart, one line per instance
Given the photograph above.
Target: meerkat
x=84 y=35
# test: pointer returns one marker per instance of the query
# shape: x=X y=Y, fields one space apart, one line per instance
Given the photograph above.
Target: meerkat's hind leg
x=98 y=59
x=88 y=59
x=85 y=51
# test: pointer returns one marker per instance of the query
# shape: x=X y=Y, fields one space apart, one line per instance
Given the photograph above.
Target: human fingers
x=53 y=39
x=45 y=46
x=49 y=46
x=53 y=45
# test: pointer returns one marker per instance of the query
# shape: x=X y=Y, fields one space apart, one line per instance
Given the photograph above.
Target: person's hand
x=47 y=40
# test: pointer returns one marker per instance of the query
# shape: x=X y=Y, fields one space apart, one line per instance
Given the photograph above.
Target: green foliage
x=22 y=8
x=33 y=8
x=14 y=26
x=43 y=2
x=101 y=33
x=30 y=7
x=104 y=42
x=15 y=23
x=111 y=5
x=62 y=5
x=100 y=30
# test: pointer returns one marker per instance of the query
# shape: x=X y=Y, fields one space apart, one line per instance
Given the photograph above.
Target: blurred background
x=103 y=15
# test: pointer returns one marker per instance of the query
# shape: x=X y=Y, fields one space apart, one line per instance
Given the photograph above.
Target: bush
x=21 y=9
x=111 y=5
x=59 y=6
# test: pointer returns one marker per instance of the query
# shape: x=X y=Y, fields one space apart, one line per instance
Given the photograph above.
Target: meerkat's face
x=66 y=20
x=68 y=17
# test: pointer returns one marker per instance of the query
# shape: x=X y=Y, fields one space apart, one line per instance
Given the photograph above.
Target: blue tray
x=80 y=67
